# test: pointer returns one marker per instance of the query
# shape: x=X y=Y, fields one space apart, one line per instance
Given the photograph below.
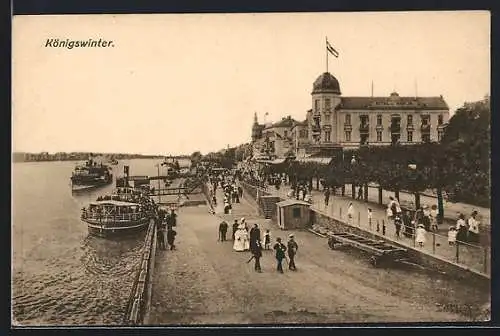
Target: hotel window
x=316 y=105
x=426 y=137
x=347 y=135
x=286 y=133
x=410 y=136
x=327 y=136
x=347 y=119
x=410 y=119
x=425 y=120
x=379 y=135
x=363 y=119
x=440 y=119
x=327 y=118
x=379 y=120
x=327 y=105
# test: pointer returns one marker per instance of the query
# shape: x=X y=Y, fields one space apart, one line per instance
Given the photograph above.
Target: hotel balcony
x=395 y=128
x=425 y=128
x=364 y=128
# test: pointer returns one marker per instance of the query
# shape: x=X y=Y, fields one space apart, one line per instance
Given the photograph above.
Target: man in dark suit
x=292 y=251
x=235 y=227
x=254 y=236
x=223 y=230
x=280 y=249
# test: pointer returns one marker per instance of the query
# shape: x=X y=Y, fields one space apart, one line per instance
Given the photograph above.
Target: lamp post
x=159 y=186
x=353 y=186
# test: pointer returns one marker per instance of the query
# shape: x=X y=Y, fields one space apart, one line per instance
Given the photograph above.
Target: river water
x=60 y=274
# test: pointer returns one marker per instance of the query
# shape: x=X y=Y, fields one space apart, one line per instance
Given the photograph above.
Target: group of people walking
x=166 y=221
x=252 y=240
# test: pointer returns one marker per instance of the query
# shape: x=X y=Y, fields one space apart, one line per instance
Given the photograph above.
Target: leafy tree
x=195 y=158
x=466 y=154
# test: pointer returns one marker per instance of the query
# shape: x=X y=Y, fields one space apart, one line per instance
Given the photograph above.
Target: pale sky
x=177 y=83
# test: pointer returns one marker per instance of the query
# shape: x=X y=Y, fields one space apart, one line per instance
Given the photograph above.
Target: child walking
x=267 y=240
x=452 y=235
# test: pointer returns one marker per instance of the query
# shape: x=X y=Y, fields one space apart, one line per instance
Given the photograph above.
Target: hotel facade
x=335 y=121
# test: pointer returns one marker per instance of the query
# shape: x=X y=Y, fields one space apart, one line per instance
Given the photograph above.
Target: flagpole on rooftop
x=326 y=50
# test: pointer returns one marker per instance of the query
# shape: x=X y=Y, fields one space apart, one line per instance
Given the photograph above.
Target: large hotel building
x=337 y=122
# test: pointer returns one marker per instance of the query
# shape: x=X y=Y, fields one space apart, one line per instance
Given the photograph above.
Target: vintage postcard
x=251 y=169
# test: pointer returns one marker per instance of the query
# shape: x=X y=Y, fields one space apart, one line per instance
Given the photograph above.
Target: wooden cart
x=380 y=250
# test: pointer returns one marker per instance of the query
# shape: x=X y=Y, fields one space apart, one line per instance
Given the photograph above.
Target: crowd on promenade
x=245 y=238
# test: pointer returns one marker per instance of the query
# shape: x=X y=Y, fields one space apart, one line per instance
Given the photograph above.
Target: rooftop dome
x=326 y=83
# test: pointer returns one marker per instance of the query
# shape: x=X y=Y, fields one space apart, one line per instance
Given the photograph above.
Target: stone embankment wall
x=140 y=297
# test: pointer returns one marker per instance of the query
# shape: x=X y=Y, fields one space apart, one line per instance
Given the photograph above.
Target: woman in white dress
x=239 y=238
x=246 y=239
x=420 y=235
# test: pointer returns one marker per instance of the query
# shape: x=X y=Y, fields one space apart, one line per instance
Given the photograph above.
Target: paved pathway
x=477 y=258
x=205 y=282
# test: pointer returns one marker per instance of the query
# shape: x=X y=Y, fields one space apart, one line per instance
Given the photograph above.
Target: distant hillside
x=78 y=156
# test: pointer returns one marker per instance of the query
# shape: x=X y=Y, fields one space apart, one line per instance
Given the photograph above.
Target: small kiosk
x=293 y=214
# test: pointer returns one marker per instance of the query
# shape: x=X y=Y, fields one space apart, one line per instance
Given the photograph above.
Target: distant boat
x=113 y=162
x=91 y=175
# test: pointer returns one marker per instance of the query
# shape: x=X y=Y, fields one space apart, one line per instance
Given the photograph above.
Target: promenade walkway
x=450 y=208
x=205 y=282
x=477 y=258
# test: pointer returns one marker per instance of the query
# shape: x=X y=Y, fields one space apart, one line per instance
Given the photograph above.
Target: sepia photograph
x=251 y=169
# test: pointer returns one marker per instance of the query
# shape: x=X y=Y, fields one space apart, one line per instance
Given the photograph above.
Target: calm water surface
x=60 y=274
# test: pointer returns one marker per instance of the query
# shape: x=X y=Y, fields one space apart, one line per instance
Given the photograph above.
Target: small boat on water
x=124 y=212
x=90 y=175
x=113 y=162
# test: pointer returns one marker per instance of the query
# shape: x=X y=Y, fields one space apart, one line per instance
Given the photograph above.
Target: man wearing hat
x=254 y=236
x=280 y=249
x=235 y=227
x=292 y=250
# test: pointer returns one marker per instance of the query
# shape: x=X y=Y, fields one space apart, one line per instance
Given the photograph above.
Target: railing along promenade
x=140 y=297
x=471 y=256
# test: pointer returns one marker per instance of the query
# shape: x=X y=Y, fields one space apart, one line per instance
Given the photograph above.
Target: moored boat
x=109 y=218
x=91 y=175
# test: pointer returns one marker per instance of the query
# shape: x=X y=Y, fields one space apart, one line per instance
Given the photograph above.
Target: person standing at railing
x=452 y=235
x=350 y=213
x=461 y=228
x=426 y=219
x=407 y=222
x=473 y=226
x=420 y=235
x=160 y=237
x=433 y=218
x=171 y=233
x=370 y=218
x=327 y=196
